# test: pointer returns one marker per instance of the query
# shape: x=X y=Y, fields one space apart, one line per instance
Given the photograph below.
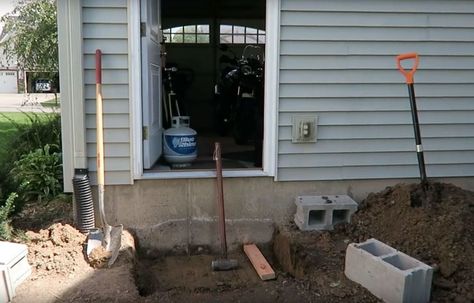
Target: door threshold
x=202 y=174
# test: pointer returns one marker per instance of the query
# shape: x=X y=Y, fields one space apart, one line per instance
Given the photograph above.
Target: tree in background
x=31 y=36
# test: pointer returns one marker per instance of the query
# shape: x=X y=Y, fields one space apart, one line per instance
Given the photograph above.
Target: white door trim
x=272 y=61
x=272 y=72
x=135 y=75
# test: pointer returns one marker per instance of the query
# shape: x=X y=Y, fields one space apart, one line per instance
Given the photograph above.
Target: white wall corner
x=272 y=71
x=71 y=81
x=134 y=81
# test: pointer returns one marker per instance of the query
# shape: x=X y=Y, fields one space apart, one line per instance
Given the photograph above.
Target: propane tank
x=180 y=144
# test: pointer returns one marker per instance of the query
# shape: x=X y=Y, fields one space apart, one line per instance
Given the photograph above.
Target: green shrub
x=40 y=129
x=38 y=174
x=6 y=230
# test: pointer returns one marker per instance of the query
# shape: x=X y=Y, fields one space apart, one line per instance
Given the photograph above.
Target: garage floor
x=233 y=156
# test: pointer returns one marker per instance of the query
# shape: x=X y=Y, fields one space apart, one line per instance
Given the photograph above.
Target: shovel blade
x=115 y=243
x=94 y=240
x=110 y=238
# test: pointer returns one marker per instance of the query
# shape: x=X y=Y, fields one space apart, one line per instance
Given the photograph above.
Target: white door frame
x=272 y=66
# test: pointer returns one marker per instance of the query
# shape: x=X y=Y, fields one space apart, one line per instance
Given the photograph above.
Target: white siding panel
x=111 y=164
x=375 y=48
x=387 y=76
x=108 y=4
x=303 y=33
x=370 y=90
x=377 y=6
x=110 y=121
x=109 y=91
x=337 y=62
x=374 y=172
x=109 y=76
x=386 y=131
x=115 y=135
x=373 y=63
x=108 y=46
x=375 y=145
x=389 y=118
x=110 y=106
x=105 y=31
x=111 y=149
x=378 y=159
x=409 y=20
x=105 y=27
x=110 y=62
x=96 y=15
x=372 y=104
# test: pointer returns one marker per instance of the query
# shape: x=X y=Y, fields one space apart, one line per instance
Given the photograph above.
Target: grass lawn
x=8 y=129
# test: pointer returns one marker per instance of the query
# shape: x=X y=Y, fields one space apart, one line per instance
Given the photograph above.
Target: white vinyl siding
x=105 y=27
x=337 y=61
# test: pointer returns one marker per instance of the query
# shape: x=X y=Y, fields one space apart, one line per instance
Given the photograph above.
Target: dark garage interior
x=213 y=58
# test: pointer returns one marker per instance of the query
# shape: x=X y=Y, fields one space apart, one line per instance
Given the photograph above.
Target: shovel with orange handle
x=409 y=77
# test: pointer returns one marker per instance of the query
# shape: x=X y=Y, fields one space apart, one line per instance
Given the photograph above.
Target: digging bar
x=409 y=78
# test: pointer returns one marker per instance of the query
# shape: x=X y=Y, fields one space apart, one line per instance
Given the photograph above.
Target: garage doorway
x=206 y=50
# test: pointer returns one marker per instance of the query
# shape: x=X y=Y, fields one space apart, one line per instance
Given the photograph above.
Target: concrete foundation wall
x=180 y=214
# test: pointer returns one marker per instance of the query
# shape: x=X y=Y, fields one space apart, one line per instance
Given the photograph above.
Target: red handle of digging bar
x=409 y=75
x=98 y=66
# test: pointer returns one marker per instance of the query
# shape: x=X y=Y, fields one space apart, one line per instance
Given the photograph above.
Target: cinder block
x=323 y=212
x=387 y=273
x=14 y=268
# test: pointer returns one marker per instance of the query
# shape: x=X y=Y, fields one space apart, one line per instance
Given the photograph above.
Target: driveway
x=25 y=102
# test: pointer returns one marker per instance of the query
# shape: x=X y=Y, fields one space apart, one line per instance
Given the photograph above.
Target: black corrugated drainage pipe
x=84 y=205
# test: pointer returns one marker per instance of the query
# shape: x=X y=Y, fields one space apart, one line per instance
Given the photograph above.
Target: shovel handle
x=409 y=75
x=98 y=66
x=99 y=119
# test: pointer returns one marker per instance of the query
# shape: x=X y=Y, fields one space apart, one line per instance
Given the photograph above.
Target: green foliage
x=36 y=132
x=32 y=35
x=6 y=230
x=38 y=174
x=33 y=131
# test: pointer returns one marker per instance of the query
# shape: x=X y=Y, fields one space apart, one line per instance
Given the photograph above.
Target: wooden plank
x=264 y=270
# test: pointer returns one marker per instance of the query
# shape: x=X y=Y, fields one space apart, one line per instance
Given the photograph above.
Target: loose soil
x=433 y=224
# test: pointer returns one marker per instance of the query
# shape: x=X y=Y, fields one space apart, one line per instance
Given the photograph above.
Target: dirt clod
x=99 y=257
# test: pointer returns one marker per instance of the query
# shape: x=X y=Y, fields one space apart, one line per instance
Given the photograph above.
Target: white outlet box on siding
x=304 y=129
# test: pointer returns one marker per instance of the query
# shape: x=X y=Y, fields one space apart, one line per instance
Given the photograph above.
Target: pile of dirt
x=434 y=223
x=56 y=250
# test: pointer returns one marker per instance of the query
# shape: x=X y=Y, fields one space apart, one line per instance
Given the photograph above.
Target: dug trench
x=304 y=273
x=181 y=277
x=433 y=224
